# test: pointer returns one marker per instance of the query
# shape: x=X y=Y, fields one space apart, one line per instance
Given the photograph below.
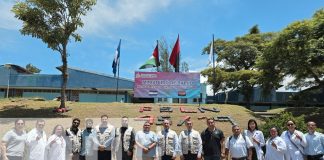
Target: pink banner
x=167 y=85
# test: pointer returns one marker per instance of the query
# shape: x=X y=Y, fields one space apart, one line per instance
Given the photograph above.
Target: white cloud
x=107 y=15
x=7 y=18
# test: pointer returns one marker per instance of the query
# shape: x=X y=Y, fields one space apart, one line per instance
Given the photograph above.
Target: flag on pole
x=211 y=52
x=174 y=58
x=115 y=63
x=153 y=61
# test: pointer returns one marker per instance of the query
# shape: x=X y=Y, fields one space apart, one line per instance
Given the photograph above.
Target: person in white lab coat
x=275 y=146
x=257 y=138
x=36 y=141
x=56 y=145
x=295 y=141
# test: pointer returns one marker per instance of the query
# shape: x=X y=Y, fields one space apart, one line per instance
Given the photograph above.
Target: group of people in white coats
x=92 y=143
x=291 y=145
x=295 y=145
x=105 y=142
x=17 y=144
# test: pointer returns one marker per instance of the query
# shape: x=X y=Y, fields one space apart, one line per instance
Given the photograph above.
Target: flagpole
x=178 y=63
x=117 y=78
x=214 y=72
x=118 y=64
x=157 y=64
x=178 y=60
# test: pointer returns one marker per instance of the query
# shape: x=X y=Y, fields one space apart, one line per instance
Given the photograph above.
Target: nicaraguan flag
x=116 y=59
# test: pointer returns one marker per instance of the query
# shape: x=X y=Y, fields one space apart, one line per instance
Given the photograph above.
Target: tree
x=280 y=123
x=254 y=30
x=238 y=59
x=184 y=67
x=32 y=69
x=164 y=56
x=54 y=22
x=298 y=51
x=220 y=80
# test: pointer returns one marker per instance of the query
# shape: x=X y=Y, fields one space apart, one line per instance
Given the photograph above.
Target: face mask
x=124 y=124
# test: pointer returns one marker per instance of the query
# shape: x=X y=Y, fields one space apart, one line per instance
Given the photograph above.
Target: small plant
x=280 y=123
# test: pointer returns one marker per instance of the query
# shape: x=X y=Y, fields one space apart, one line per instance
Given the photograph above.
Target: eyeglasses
x=76 y=122
x=290 y=124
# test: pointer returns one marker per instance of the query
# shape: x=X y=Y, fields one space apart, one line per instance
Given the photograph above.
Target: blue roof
x=77 y=79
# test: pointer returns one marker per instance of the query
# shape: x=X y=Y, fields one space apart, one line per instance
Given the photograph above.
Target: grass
x=26 y=108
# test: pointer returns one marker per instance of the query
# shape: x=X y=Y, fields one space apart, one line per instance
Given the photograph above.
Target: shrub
x=280 y=123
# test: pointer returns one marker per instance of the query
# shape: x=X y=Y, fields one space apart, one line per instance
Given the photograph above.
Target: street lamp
x=8 y=85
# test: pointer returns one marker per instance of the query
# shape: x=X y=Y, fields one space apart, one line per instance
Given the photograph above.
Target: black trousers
x=315 y=157
x=242 y=158
x=254 y=155
x=104 y=155
x=166 y=157
x=86 y=157
x=82 y=157
x=190 y=156
x=125 y=156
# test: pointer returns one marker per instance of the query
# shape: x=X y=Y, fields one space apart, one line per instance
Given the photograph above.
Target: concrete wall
x=91 y=97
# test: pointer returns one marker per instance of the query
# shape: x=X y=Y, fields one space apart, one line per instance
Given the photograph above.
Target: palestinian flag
x=154 y=59
x=175 y=55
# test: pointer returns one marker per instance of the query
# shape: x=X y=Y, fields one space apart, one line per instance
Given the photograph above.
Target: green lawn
x=25 y=108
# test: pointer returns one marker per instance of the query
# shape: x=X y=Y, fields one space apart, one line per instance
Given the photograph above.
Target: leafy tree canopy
x=237 y=60
x=298 y=51
x=54 y=22
x=31 y=68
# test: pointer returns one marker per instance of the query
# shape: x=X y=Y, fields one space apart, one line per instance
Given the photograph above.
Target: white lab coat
x=36 y=148
x=293 y=152
x=273 y=153
x=258 y=135
x=56 y=150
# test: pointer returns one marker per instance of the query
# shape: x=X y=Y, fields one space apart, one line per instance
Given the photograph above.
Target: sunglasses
x=290 y=124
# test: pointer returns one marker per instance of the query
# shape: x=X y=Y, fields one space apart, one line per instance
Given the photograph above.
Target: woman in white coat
x=275 y=146
x=257 y=138
x=56 y=145
x=295 y=142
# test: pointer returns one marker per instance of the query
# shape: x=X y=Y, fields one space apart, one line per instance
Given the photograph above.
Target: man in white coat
x=36 y=141
x=123 y=144
x=74 y=135
x=167 y=142
x=190 y=144
x=105 y=137
x=295 y=141
x=275 y=146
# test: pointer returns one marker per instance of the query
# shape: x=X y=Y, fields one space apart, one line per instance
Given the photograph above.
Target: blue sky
x=139 y=23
